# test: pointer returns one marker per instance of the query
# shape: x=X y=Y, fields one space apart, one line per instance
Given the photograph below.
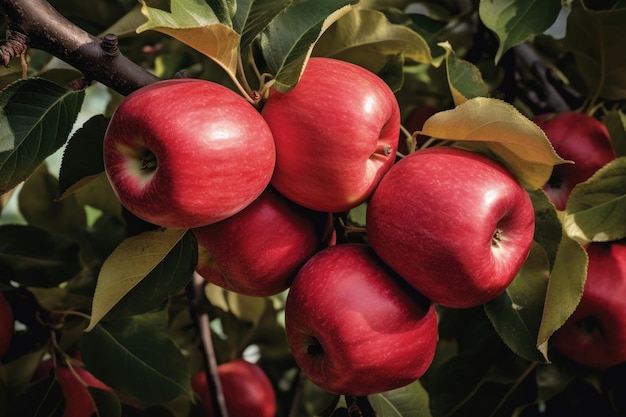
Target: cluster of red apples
x=260 y=190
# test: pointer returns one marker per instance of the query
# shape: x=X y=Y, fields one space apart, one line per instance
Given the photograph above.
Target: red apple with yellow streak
x=185 y=153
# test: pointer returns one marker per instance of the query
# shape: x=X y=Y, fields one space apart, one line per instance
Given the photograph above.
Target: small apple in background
x=455 y=224
x=336 y=135
x=247 y=390
x=259 y=250
x=595 y=335
x=354 y=327
x=74 y=384
x=579 y=138
x=184 y=153
x=6 y=324
x=414 y=123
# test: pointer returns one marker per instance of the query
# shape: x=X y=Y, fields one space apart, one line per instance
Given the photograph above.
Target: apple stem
x=497 y=238
x=384 y=150
x=348 y=229
x=353 y=408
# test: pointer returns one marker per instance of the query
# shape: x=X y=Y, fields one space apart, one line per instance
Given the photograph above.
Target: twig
x=208 y=351
x=36 y=24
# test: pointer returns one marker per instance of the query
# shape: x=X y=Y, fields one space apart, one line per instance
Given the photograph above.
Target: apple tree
x=312 y=208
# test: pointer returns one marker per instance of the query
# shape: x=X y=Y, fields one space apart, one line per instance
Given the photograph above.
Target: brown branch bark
x=36 y=24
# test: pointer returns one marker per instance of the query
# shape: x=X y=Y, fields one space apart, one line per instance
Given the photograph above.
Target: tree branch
x=36 y=24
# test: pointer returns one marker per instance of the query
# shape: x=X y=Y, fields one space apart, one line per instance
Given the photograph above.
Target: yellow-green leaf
x=596 y=208
x=246 y=307
x=565 y=288
x=129 y=263
x=367 y=38
x=497 y=128
x=516 y=313
x=195 y=24
x=615 y=122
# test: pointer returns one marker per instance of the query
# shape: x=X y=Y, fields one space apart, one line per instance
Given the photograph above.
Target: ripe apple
x=247 y=390
x=260 y=249
x=595 y=335
x=6 y=324
x=579 y=138
x=354 y=327
x=184 y=153
x=455 y=224
x=336 y=134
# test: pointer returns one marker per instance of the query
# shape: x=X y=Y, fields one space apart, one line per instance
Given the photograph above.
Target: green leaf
x=99 y=194
x=456 y=382
x=168 y=278
x=615 y=122
x=126 y=25
x=38 y=206
x=548 y=227
x=129 y=263
x=224 y=10
x=367 y=38
x=43 y=397
x=82 y=158
x=194 y=23
x=288 y=40
x=107 y=403
x=91 y=15
x=515 y=21
x=409 y=401
x=34 y=257
x=253 y=16
x=128 y=355
x=596 y=208
x=495 y=127
x=516 y=313
x=565 y=288
x=430 y=27
x=464 y=78
x=36 y=117
x=61 y=76
x=594 y=41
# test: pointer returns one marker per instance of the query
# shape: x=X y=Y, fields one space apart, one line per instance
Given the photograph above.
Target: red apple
x=260 y=249
x=247 y=390
x=354 y=327
x=336 y=134
x=595 y=335
x=185 y=153
x=6 y=324
x=579 y=138
x=455 y=224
